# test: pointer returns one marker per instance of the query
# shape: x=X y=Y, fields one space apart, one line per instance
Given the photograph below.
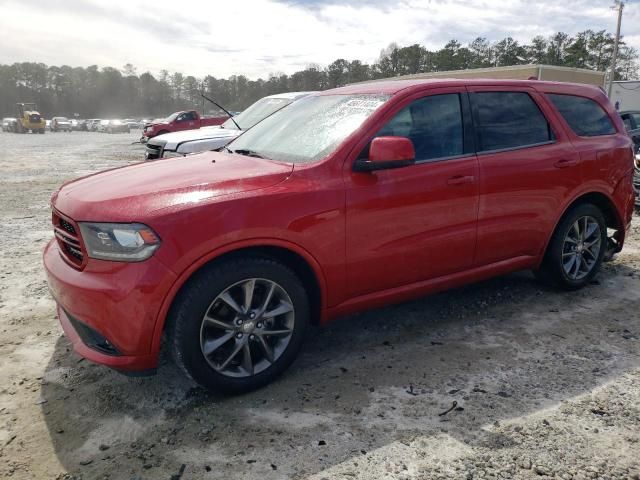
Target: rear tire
x=265 y=342
x=576 y=250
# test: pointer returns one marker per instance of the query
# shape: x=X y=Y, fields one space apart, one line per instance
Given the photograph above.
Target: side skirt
x=419 y=289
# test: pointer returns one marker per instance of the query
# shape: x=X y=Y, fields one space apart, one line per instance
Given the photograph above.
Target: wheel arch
x=598 y=198
x=289 y=254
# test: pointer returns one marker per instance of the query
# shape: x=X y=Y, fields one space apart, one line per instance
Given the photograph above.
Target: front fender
x=217 y=253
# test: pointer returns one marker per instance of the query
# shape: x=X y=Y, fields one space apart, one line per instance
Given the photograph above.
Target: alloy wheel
x=247 y=327
x=581 y=248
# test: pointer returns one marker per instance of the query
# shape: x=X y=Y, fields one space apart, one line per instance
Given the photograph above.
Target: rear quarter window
x=585 y=117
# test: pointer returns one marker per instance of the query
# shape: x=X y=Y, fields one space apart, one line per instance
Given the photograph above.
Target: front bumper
x=117 y=302
x=153 y=150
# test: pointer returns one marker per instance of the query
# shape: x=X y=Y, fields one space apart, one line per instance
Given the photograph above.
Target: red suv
x=346 y=200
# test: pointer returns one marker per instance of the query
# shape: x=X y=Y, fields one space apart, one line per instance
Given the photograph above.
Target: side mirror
x=386 y=153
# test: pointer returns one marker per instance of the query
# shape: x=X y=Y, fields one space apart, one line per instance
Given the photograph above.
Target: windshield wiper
x=248 y=153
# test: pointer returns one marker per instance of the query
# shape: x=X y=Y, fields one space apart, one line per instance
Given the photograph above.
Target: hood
x=133 y=193
x=171 y=141
x=214 y=143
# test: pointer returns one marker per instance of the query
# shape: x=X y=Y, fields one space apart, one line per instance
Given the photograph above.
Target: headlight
x=637 y=159
x=171 y=154
x=119 y=242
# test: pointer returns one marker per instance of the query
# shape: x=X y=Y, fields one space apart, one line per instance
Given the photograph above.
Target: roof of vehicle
x=391 y=87
x=291 y=95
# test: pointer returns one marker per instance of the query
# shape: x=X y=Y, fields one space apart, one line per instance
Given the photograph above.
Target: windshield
x=170 y=118
x=256 y=112
x=310 y=128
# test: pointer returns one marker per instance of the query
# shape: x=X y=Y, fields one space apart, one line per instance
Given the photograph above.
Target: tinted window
x=636 y=118
x=433 y=124
x=509 y=120
x=628 y=122
x=585 y=117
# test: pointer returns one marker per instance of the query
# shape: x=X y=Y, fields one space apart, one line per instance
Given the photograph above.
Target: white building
x=625 y=95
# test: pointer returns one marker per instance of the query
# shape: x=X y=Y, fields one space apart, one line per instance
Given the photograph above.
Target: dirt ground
x=545 y=383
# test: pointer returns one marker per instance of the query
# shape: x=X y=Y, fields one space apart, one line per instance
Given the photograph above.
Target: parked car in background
x=113 y=126
x=60 y=124
x=133 y=124
x=227 y=257
x=211 y=138
x=631 y=120
x=9 y=124
x=186 y=120
x=92 y=124
x=78 y=125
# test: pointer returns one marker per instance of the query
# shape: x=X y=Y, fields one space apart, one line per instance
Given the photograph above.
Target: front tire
x=238 y=325
x=576 y=250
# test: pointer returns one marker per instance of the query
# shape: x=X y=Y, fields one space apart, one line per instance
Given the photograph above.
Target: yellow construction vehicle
x=29 y=119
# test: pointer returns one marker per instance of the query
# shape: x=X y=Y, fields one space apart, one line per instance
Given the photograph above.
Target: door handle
x=461 y=180
x=565 y=162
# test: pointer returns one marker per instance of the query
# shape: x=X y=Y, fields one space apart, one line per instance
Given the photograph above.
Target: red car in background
x=186 y=120
x=346 y=200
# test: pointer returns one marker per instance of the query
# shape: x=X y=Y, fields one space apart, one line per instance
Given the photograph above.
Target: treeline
x=110 y=92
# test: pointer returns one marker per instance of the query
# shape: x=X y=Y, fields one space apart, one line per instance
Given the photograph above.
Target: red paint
x=394 y=148
x=153 y=129
x=371 y=238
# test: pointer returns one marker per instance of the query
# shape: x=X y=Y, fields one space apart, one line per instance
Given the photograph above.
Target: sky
x=257 y=38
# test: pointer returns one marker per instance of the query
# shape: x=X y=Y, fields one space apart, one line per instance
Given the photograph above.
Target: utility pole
x=619 y=5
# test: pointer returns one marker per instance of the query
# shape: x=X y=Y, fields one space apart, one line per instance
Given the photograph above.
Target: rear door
x=527 y=167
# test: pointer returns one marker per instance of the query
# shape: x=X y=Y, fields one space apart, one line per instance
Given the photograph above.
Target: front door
x=419 y=222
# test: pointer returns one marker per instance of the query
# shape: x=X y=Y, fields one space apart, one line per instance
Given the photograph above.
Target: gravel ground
x=545 y=384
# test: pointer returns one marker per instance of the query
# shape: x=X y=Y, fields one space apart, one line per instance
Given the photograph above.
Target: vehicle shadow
x=501 y=349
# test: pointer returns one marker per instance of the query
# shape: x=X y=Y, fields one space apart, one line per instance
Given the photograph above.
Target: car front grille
x=154 y=150
x=68 y=239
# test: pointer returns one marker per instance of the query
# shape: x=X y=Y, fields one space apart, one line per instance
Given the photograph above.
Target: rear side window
x=509 y=120
x=585 y=117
